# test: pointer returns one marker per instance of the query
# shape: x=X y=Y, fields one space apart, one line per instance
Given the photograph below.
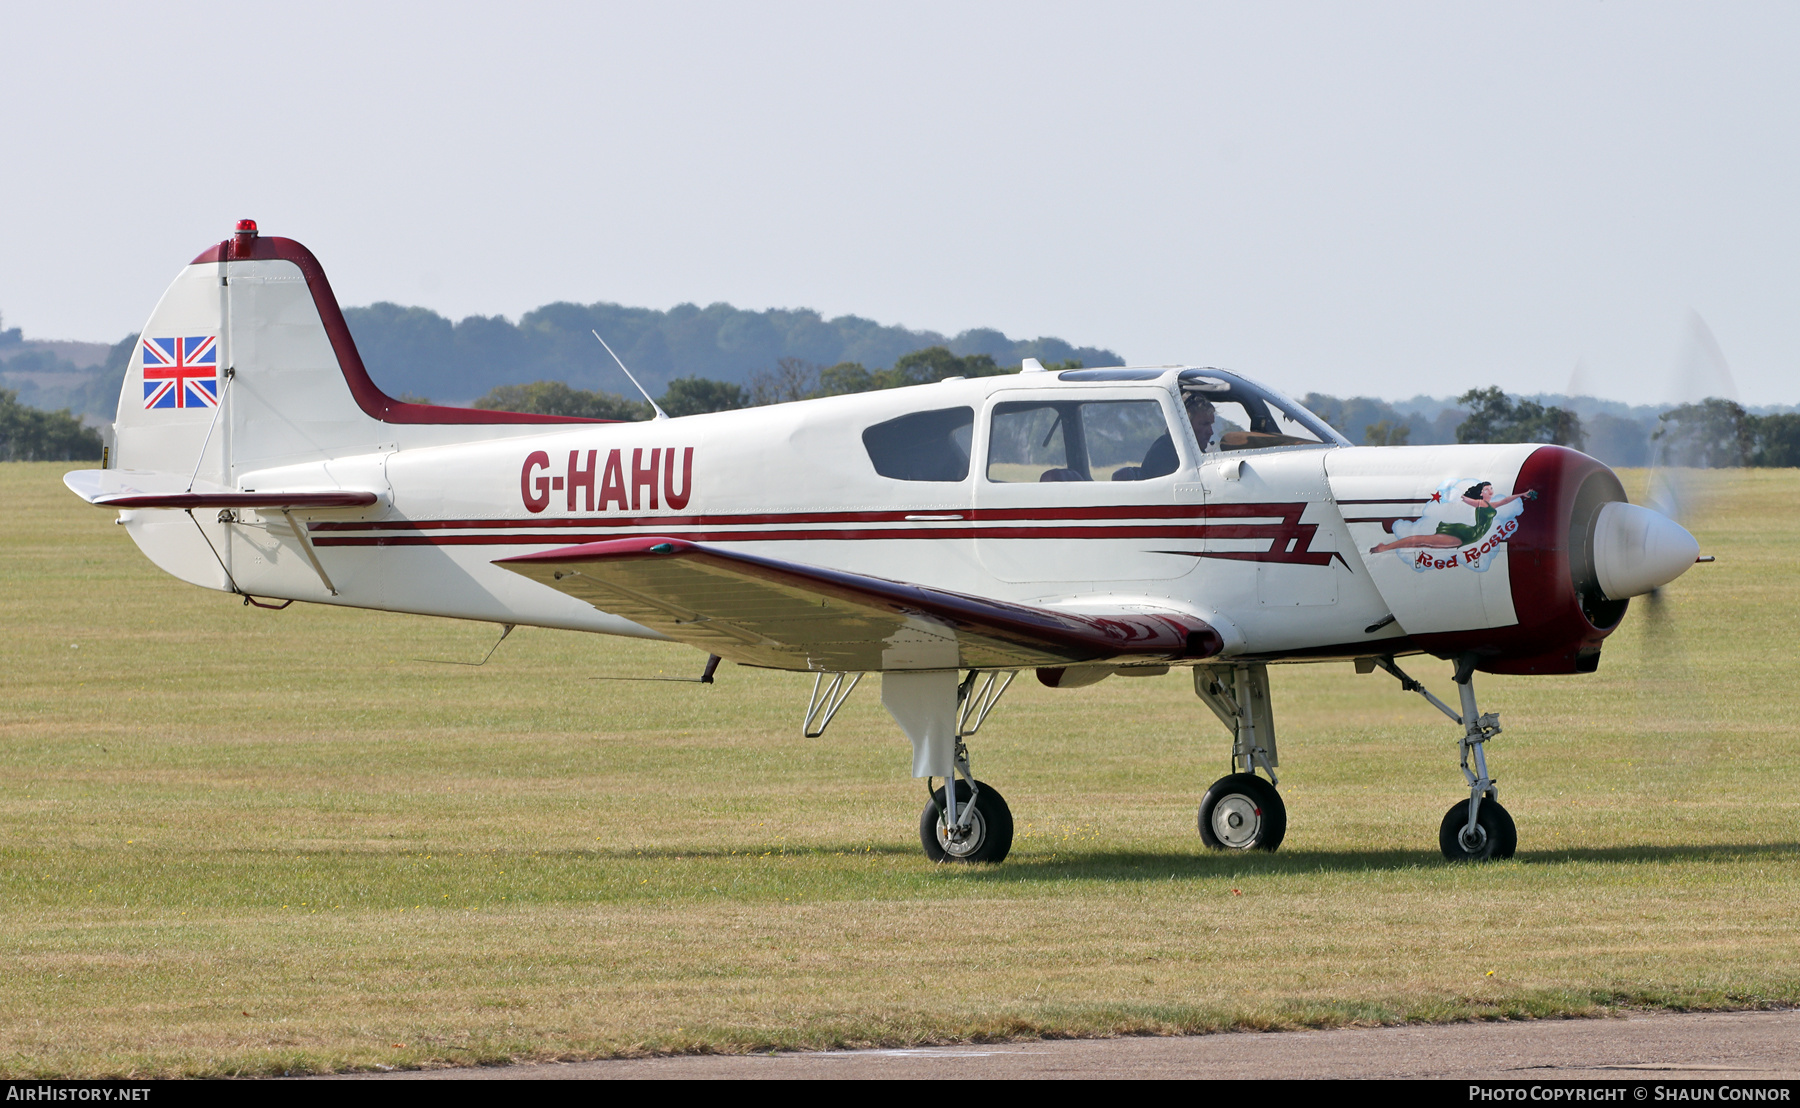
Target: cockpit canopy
x=1078 y=437
x=1246 y=415
x=1249 y=416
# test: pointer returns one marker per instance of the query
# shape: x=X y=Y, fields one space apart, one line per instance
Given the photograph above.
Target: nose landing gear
x=1492 y=836
x=1477 y=829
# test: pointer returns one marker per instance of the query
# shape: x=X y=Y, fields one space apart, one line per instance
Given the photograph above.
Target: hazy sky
x=1383 y=199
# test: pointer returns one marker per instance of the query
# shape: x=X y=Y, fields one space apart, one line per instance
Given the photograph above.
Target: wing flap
x=789 y=615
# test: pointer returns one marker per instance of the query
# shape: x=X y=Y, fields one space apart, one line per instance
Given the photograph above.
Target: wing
x=788 y=615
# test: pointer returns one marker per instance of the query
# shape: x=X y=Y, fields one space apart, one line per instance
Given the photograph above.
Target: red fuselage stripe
x=1278 y=525
x=1148 y=531
x=1390 y=500
x=1287 y=511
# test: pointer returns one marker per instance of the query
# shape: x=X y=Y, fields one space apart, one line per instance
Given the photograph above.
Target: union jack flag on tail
x=181 y=372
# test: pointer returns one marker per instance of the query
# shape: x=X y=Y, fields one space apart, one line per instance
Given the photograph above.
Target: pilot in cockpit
x=1161 y=460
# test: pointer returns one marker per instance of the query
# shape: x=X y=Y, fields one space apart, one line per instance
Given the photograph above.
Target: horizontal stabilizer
x=789 y=615
x=125 y=488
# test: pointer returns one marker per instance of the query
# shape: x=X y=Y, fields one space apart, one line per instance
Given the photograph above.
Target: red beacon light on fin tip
x=242 y=245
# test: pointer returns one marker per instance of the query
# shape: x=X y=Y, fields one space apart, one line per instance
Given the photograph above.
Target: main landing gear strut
x=964 y=820
x=1241 y=811
x=970 y=823
x=1477 y=829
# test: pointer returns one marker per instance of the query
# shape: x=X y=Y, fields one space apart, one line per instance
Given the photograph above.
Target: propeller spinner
x=1637 y=550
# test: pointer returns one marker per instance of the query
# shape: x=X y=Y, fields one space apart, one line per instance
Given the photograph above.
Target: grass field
x=239 y=841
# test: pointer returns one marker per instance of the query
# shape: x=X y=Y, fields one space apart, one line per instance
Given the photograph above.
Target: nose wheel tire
x=1242 y=812
x=990 y=829
x=1494 y=836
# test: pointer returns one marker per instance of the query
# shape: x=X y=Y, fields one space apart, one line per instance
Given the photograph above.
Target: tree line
x=415 y=350
x=402 y=345
x=30 y=434
x=1714 y=433
x=790 y=379
x=41 y=379
x=1717 y=434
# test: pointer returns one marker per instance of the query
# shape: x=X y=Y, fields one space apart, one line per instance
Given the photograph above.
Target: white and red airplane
x=1085 y=524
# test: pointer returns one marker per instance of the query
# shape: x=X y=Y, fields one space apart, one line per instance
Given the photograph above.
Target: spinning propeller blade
x=1700 y=373
x=1672 y=701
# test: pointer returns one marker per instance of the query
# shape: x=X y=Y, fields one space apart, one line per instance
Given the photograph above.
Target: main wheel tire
x=1242 y=812
x=1495 y=836
x=990 y=829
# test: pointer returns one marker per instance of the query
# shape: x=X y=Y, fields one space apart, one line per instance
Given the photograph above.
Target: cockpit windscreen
x=1232 y=413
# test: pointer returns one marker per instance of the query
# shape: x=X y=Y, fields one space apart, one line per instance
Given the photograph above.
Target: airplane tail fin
x=247 y=363
x=246 y=380
x=237 y=369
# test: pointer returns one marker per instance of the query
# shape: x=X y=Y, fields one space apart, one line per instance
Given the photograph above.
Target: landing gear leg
x=1241 y=811
x=965 y=820
x=971 y=823
x=1477 y=829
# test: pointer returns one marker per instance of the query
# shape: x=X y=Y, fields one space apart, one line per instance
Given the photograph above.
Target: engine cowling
x=1574 y=564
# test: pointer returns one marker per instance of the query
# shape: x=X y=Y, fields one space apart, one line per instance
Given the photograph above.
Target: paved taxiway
x=1724 y=1047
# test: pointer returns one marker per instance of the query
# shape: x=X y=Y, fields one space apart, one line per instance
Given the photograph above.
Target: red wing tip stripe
x=646 y=546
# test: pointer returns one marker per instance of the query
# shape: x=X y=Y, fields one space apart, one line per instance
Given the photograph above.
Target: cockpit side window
x=1031 y=441
x=923 y=446
x=1068 y=440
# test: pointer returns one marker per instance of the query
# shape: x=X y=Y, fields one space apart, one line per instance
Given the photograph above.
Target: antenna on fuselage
x=660 y=414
